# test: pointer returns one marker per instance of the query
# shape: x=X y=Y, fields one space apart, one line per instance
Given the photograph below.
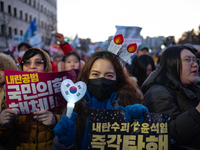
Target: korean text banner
x=108 y=129
x=28 y=92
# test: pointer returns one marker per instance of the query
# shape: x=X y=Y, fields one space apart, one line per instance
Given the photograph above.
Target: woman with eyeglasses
x=32 y=132
x=171 y=89
x=35 y=60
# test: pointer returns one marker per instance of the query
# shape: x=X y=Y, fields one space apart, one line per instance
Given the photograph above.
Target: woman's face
x=34 y=64
x=71 y=63
x=102 y=68
x=189 y=68
x=149 y=69
x=2 y=79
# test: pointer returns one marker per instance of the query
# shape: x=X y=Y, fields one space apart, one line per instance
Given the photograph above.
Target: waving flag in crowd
x=31 y=29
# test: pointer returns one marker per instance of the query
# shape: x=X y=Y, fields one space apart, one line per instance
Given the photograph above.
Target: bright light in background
x=162 y=46
x=96 y=19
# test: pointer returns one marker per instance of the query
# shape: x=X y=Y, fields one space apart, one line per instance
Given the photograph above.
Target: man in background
x=22 y=48
x=141 y=50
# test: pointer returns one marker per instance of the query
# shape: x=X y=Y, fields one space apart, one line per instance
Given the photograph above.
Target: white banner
x=131 y=34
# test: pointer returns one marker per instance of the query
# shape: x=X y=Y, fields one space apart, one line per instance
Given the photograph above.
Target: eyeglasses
x=38 y=63
x=191 y=61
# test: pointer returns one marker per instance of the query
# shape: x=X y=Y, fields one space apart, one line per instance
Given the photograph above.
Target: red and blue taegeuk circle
x=73 y=89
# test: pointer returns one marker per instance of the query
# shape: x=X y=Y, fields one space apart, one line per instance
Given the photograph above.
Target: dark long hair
x=140 y=68
x=171 y=63
x=125 y=88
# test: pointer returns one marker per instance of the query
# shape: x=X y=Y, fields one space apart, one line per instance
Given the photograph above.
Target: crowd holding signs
x=28 y=92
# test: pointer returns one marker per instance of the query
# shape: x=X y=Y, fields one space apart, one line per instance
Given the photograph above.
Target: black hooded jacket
x=178 y=101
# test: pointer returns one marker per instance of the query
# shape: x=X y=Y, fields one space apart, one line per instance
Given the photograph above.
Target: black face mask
x=101 y=88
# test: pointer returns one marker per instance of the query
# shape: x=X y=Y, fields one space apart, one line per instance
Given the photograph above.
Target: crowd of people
x=170 y=87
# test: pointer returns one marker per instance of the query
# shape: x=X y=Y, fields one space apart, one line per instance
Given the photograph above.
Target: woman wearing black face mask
x=108 y=86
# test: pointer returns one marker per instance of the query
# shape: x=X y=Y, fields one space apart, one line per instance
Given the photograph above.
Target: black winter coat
x=178 y=101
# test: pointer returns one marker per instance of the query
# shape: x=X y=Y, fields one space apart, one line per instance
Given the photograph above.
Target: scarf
x=106 y=104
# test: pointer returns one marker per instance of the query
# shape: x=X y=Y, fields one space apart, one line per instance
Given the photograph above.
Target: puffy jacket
x=180 y=103
x=30 y=133
x=6 y=62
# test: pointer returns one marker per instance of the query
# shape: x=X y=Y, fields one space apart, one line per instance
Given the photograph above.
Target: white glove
x=7 y=116
x=46 y=117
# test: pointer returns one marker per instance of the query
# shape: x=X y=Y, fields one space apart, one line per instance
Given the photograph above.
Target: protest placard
x=108 y=129
x=27 y=92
